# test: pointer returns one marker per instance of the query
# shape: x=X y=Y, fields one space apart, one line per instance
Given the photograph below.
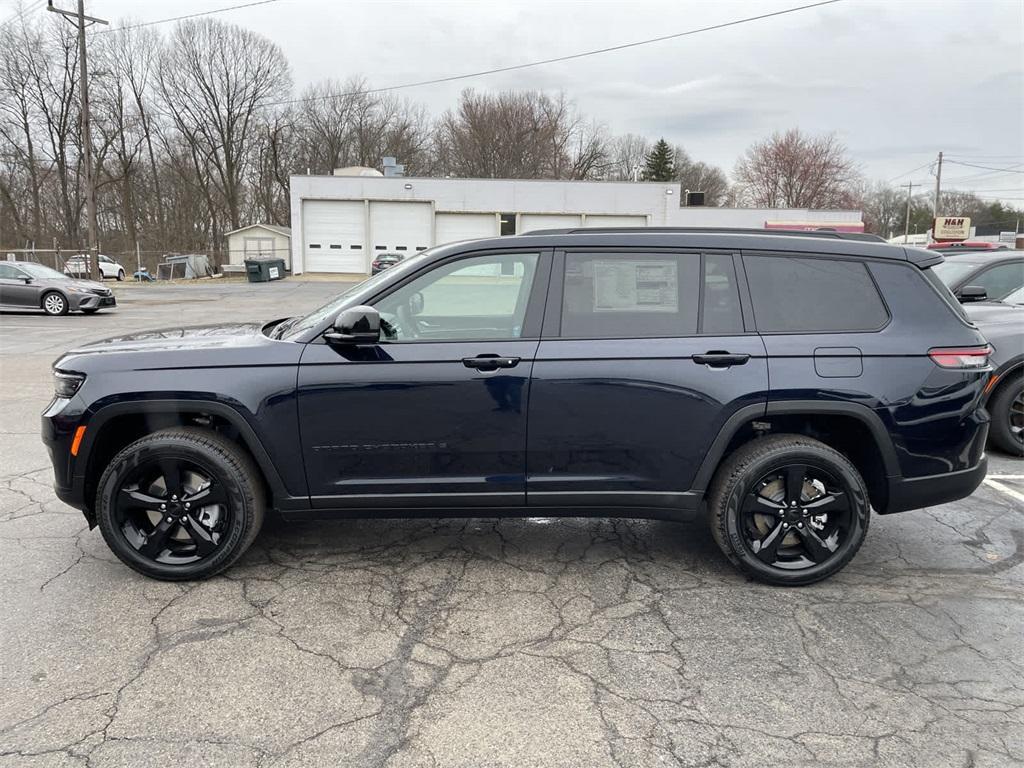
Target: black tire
x=197 y=453
x=120 y=275
x=1007 y=411
x=788 y=535
x=54 y=303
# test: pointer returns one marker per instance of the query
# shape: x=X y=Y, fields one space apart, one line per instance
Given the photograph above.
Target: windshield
x=291 y=328
x=38 y=270
x=950 y=272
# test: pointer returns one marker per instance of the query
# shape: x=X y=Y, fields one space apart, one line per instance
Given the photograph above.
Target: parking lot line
x=989 y=481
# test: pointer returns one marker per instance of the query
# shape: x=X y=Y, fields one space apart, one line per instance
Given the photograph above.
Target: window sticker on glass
x=635 y=286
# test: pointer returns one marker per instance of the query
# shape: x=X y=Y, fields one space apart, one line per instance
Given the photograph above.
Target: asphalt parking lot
x=488 y=643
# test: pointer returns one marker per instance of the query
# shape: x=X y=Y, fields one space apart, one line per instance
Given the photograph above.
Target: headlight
x=66 y=384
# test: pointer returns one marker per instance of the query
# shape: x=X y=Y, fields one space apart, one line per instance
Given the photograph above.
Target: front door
x=644 y=357
x=435 y=415
x=15 y=291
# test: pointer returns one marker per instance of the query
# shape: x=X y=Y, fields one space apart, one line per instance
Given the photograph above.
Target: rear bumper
x=918 y=492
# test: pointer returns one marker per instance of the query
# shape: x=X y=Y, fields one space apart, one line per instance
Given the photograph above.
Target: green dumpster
x=264 y=270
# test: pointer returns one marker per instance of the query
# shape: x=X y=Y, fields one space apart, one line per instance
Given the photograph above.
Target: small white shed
x=259 y=240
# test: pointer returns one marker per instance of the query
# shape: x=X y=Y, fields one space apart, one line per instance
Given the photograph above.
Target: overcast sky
x=897 y=80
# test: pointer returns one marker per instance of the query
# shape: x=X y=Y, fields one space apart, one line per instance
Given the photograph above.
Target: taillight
x=960 y=357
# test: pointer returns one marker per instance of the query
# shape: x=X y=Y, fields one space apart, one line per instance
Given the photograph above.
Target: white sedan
x=75 y=266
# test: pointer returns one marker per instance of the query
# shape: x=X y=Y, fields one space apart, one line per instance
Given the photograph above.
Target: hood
x=995 y=313
x=169 y=339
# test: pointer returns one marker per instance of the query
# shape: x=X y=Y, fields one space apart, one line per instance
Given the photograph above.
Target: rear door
x=645 y=355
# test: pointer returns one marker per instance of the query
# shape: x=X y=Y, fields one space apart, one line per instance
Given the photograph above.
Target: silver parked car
x=27 y=285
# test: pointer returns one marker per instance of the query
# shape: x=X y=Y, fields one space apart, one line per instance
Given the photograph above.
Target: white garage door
x=403 y=228
x=465 y=226
x=615 y=221
x=531 y=221
x=334 y=236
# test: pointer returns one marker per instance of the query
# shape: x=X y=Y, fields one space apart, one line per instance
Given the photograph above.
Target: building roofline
x=273 y=227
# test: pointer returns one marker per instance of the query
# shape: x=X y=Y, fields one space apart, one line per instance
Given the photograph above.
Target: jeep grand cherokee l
x=778 y=385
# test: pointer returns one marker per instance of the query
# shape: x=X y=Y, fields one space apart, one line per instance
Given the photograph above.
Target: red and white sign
x=951 y=228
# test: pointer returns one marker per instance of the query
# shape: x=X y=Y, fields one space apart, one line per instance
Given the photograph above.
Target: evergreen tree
x=660 y=163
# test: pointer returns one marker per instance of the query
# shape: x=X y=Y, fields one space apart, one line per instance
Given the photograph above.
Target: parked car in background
x=385 y=261
x=76 y=266
x=982 y=276
x=777 y=385
x=967 y=245
x=27 y=285
x=1002 y=322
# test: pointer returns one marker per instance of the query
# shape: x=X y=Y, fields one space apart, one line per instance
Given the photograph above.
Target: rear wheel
x=789 y=510
x=180 y=504
x=120 y=275
x=54 y=303
x=1007 y=411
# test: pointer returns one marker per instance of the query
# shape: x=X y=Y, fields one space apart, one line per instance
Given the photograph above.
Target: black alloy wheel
x=1006 y=408
x=788 y=509
x=172 y=511
x=1015 y=417
x=796 y=516
x=180 y=504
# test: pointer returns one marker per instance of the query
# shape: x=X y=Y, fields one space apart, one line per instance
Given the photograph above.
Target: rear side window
x=806 y=295
x=630 y=295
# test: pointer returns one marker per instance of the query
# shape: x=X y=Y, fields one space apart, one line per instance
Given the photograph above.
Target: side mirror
x=355 y=326
x=27 y=279
x=971 y=293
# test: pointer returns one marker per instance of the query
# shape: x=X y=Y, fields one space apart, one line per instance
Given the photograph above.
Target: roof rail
x=865 y=236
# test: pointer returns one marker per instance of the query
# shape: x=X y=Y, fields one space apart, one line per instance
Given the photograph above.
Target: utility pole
x=938 y=186
x=906 y=225
x=92 y=259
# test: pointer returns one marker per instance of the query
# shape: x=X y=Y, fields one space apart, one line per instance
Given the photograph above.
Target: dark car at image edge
x=779 y=385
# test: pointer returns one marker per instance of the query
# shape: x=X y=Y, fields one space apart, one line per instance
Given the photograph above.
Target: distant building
x=259 y=240
x=342 y=221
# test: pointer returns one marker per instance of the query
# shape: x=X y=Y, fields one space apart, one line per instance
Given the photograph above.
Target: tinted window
x=1000 y=280
x=484 y=297
x=795 y=295
x=720 y=310
x=630 y=295
x=7 y=272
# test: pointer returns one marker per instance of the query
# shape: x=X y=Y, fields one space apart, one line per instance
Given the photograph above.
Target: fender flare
x=862 y=413
x=171 y=406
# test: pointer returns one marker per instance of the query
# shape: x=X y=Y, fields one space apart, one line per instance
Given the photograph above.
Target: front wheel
x=789 y=510
x=55 y=304
x=180 y=504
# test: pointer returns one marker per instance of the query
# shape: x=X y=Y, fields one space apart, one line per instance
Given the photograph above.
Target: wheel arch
x=851 y=428
x=115 y=426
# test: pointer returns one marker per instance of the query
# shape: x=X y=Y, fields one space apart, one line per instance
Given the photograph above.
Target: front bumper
x=58 y=422
x=80 y=301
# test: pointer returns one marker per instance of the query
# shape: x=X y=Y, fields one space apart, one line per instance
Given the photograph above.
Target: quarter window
x=483 y=297
x=630 y=295
x=800 y=295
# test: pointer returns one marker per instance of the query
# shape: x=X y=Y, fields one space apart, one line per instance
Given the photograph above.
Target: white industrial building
x=340 y=222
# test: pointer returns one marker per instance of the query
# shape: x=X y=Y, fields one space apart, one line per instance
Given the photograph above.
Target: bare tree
x=698 y=176
x=793 y=170
x=628 y=153
x=214 y=80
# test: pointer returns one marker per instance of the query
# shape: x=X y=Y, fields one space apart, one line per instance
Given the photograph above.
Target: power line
x=987 y=167
x=557 y=59
x=912 y=170
x=30 y=8
x=189 y=16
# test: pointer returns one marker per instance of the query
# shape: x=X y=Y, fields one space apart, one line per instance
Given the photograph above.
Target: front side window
x=1000 y=280
x=630 y=295
x=483 y=297
x=809 y=295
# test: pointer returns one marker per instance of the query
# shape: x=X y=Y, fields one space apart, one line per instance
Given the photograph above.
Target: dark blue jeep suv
x=779 y=384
